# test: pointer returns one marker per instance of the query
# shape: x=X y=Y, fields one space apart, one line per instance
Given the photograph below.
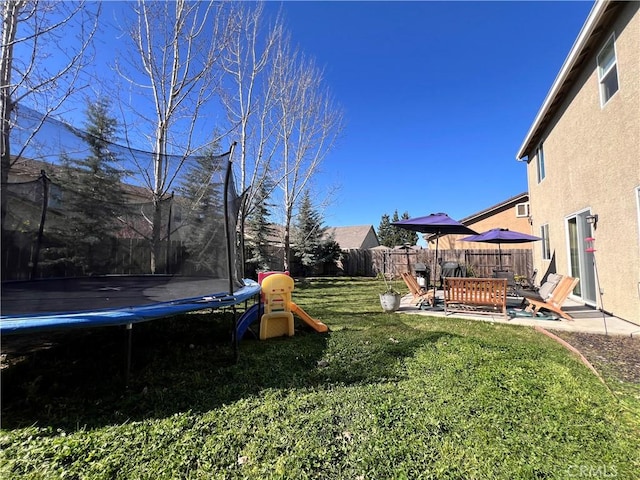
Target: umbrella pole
x=435 y=267
x=499 y=257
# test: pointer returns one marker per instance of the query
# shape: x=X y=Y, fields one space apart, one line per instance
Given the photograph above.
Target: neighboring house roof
x=356 y=237
x=275 y=235
x=487 y=212
x=27 y=169
x=602 y=13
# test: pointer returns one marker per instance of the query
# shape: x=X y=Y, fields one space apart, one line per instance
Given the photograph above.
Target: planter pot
x=390 y=302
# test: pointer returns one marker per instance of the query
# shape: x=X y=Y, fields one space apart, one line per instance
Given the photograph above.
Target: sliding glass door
x=581 y=261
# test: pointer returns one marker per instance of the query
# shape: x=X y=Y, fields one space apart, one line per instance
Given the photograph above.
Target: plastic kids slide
x=317 y=325
x=247 y=318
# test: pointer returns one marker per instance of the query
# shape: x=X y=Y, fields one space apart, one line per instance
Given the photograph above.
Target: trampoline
x=62 y=303
x=88 y=241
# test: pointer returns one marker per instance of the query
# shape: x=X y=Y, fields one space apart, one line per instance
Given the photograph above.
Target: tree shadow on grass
x=76 y=379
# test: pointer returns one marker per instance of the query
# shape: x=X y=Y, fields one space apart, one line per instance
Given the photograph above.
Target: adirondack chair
x=544 y=291
x=555 y=300
x=419 y=294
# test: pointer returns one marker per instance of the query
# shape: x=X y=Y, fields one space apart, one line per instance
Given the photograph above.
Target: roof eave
x=595 y=15
x=490 y=210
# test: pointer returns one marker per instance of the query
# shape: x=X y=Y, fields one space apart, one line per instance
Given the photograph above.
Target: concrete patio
x=586 y=318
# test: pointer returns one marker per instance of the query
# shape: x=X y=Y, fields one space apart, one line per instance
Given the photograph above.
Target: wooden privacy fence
x=132 y=256
x=129 y=256
x=392 y=263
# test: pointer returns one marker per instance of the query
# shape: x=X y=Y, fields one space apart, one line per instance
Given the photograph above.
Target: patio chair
x=512 y=286
x=545 y=290
x=451 y=269
x=555 y=300
x=419 y=293
x=529 y=282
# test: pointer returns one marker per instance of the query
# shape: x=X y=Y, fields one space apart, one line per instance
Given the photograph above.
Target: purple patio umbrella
x=437 y=224
x=501 y=235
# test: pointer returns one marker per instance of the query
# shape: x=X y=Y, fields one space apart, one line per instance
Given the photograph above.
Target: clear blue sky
x=438 y=97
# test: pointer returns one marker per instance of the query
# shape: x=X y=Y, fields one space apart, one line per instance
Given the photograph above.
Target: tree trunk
x=10 y=12
x=287 y=245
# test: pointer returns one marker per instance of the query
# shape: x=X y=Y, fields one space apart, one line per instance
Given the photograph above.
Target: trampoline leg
x=234 y=336
x=129 y=328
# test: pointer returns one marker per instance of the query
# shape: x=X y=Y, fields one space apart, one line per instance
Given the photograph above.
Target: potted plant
x=390 y=297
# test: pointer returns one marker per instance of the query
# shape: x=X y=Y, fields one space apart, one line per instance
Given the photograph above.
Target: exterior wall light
x=592 y=220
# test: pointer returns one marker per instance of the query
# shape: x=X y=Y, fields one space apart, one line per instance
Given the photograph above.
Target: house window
x=540 y=163
x=55 y=196
x=546 y=247
x=522 y=209
x=54 y=199
x=607 y=71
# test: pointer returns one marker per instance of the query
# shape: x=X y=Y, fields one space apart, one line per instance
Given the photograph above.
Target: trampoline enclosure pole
x=227 y=231
x=228 y=235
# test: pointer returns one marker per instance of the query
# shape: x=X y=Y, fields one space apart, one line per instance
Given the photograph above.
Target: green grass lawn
x=382 y=396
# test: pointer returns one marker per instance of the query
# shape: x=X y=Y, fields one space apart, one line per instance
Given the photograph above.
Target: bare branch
x=176 y=49
x=32 y=65
x=310 y=124
x=249 y=95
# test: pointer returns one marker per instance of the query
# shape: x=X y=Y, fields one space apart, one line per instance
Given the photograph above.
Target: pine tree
x=256 y=245
x=385 y=231
x=407 y=236
x=392 y=236
x=329 y=252
x=311 y=246
x=306 y=234
x=201 y=203
x=397 y=235
x=93 y=194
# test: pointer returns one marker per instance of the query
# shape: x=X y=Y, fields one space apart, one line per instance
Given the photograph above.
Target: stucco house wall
x=505 y=218
x=592 y=162
x=502 y=215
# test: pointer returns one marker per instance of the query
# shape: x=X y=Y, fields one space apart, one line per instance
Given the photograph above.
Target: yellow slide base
x=304 y=316
x=276 y=324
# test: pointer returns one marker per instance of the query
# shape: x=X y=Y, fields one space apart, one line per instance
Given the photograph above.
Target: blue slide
x=247 y=318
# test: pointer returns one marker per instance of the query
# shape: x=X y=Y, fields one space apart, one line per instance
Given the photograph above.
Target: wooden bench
x=475 y=295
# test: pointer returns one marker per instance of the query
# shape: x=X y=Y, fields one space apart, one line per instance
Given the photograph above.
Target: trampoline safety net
x=79 y=206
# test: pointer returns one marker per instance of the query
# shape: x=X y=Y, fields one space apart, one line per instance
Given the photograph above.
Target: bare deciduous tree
x=249 y=95
x=46 y=46
x=174 y=75
x=310 y=123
